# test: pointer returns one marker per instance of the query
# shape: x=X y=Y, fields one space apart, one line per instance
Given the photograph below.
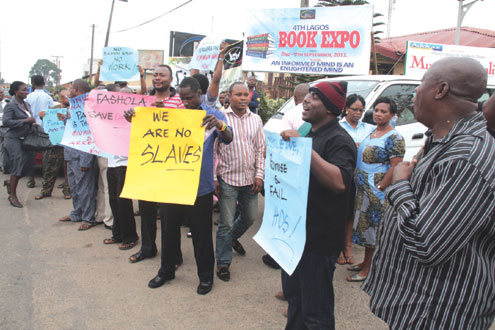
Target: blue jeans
x=309 y=291
x=231 y=227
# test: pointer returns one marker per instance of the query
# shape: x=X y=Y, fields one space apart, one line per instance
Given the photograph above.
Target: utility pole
x=304 y=3
x=463 y=9
x=91 y=59
x=57 y=62
x=109 y=24
x=391 y=4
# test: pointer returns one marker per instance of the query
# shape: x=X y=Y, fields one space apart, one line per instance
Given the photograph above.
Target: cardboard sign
x=119 y=64
x=165 y=155
x=53 y=126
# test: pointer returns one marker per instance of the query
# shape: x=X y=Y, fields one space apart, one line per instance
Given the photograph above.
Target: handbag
x=36 y=140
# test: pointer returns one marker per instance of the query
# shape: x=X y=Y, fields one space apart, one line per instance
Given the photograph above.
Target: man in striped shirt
x=434 y=267
x=166 y=97
x=240 y=171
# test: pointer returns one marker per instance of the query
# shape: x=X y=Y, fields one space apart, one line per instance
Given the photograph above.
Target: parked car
x=399 y=88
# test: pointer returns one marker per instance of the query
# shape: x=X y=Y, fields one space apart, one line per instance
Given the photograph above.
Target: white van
x=398 y=88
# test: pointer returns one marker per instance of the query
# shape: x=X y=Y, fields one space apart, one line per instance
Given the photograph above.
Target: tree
x=48 y=70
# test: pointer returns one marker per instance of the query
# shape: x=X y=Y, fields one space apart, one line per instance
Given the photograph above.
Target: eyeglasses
x=356 y=110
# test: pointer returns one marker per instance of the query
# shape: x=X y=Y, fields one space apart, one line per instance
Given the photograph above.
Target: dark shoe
x=237 y=246
x=6 y=184
x=158 y=281
x=223 y=273
x=62 y=185
x=31 y=184
x=15 y=202
x=204 y=287
x=267 y=260
x=137 y=257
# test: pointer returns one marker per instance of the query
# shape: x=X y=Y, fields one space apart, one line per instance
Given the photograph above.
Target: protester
x=199 y=214
x=292 y=119
x=239 y=177
x=53 y=159
x=119 y=84
x=254 y=96
x=166 y=97
x=309 y=290
x=433 y=268
x=124 y=224
x=18 y=118
x=3 y=130
x=39 y=100
x=82 y=176
x=353 y=111
x=378 y=154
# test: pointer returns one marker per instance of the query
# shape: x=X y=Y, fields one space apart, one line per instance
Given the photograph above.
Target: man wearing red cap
x=309 y=290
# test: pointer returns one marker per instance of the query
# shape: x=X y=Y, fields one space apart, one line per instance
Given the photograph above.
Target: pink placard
x=105 y=115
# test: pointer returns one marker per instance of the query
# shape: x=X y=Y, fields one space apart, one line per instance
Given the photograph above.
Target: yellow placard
x=165 y=154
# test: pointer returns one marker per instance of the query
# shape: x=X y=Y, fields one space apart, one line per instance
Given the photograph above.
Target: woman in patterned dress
x=377 y=156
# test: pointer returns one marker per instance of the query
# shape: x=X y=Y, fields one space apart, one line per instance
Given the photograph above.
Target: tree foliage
x=47 y=69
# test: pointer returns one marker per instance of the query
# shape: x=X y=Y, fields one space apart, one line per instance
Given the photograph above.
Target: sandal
x=67 y=197
x=41 y=196
x=65 y=219
x=355 y=278
x=355 y=268
x=341 y=260
x=138 y=256
x=127 y=246
x=86 y=226
x=111 y=241
x=349 y=258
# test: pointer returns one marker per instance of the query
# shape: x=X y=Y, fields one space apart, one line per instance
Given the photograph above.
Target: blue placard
x=283 y=231
x=53 y=125
x=119 y=64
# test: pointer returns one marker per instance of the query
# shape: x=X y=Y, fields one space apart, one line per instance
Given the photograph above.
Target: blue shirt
x=359 y=133
x=206 y=183
x=39 y=101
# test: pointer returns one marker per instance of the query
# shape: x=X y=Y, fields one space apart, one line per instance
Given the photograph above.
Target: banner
x=165 y=155
x=180 y=68
x=283 y=231
x=53 y=126
x=119 y=64
x=421 y=55
x=77 y=134
x=323 y=40
x=206 y=55
x=105 y=115
x=150 y=59
x=232 y=66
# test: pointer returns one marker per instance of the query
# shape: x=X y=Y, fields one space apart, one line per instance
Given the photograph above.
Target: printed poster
x=206 y=55
x=165 y=155
x=283 y=231
x=323 y=40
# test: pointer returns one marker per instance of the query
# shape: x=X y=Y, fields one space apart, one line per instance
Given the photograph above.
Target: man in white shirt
x=39 y=100
x=292 y=119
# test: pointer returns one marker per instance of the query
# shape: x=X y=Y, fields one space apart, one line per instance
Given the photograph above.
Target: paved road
x=54 y=277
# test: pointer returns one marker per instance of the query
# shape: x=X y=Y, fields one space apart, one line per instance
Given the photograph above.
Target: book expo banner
x=283 y=231
x=165 y=155
x=53 y=126
x=119 y=64
x=421 y=55
x=323 y=40
x=77 y=134
x=105 y=115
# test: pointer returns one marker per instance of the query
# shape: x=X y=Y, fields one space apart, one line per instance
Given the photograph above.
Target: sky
x=32 y=30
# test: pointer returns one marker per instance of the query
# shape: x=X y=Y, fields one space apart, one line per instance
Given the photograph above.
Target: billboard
x=183 y=44
x=421 y=55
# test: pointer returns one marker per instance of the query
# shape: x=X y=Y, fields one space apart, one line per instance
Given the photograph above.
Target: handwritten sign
x=283 y=231
x=119 y=64
x=165 y=155
x=206 y=55
x=53 y=126
x=105 y=115
x=77 y=134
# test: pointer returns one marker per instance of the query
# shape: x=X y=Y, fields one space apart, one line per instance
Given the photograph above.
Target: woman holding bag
x=17 y=117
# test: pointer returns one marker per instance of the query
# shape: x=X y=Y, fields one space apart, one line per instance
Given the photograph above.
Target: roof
x=395 y=47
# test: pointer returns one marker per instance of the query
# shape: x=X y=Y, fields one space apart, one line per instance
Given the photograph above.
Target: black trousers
x=200 y=221
x=124 y=224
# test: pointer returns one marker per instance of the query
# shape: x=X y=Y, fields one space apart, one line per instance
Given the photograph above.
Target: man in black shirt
x=309 y=290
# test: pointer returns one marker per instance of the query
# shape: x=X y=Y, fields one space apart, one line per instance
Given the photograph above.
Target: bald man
x=434 y=266
x=292 y=119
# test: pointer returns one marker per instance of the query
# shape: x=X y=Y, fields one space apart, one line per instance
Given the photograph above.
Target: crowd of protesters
x=427 y=225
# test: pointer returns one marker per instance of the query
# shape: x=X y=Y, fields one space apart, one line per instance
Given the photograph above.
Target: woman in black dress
x=18 y=118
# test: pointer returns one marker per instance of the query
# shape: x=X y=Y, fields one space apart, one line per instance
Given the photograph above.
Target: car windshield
x=359 y=87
